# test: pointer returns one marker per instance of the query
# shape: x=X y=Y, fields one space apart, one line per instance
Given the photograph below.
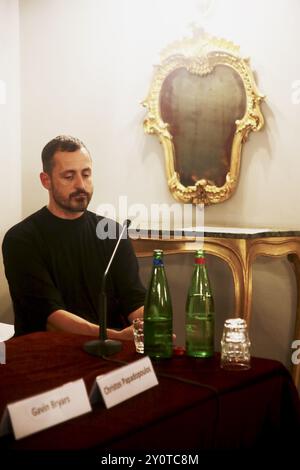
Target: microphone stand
x=104 y=346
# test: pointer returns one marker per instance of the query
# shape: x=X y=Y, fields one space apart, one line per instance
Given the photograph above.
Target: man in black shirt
x=54 y=261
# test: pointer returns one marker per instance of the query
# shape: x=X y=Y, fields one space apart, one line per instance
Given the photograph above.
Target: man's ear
x=45 y=180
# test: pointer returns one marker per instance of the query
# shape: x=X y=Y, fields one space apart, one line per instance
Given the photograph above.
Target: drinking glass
x=235 y=345
x=138 y=334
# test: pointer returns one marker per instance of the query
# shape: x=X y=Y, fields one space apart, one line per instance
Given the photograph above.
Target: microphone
x=104 y=346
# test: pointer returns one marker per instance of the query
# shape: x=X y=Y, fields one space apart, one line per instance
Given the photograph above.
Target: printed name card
x=124 y=383
x=47 y=409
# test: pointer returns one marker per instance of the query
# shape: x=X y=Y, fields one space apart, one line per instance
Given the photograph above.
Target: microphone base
x=103 y=348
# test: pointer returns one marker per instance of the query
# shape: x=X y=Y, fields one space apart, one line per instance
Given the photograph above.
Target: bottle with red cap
x=200 y=311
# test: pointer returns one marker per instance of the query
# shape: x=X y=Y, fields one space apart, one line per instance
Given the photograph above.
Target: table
x=232 y=410
x=239 y=248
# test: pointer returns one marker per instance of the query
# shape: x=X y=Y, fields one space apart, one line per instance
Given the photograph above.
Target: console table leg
x=294 y=259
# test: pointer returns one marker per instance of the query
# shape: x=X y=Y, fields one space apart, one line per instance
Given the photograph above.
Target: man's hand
x=61 y=320
x=124 y=335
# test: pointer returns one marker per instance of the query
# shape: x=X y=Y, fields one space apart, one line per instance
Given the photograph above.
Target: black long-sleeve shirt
x=53 y=263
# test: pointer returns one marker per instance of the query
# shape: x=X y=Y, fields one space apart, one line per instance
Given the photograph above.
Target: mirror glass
x=201 y=113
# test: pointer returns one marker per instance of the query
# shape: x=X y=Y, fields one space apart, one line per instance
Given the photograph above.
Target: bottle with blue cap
x=158 y=313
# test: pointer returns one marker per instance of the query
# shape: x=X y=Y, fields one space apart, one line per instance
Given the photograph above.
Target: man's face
x=70 y=182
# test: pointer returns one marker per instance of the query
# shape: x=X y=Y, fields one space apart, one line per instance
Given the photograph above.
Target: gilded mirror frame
x=200 y=55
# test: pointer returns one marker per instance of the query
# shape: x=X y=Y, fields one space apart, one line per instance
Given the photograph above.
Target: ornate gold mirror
x=202 y=104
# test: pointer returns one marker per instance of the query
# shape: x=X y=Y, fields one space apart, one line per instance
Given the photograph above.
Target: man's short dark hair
x=61 y=143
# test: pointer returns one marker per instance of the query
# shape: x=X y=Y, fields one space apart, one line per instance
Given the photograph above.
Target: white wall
x=87 y=64
x=10 y=187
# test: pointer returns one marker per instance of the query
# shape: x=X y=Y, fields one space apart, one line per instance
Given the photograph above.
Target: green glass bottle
x=158 y=314
x=199 y=327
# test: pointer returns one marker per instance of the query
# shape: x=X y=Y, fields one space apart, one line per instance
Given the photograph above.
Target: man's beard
x=76 y=202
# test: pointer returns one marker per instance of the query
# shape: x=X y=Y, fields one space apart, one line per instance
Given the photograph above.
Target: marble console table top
x=217 y=232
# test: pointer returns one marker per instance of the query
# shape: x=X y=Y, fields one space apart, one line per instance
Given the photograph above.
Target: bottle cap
x=157 y=262
x=158 y=257
x=178 y=350
x=199 y=257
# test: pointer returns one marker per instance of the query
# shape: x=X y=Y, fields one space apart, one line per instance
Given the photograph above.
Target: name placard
x=47 y=409
x=124 y=383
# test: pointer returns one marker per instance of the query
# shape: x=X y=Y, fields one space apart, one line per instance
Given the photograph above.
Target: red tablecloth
x=200 y=407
